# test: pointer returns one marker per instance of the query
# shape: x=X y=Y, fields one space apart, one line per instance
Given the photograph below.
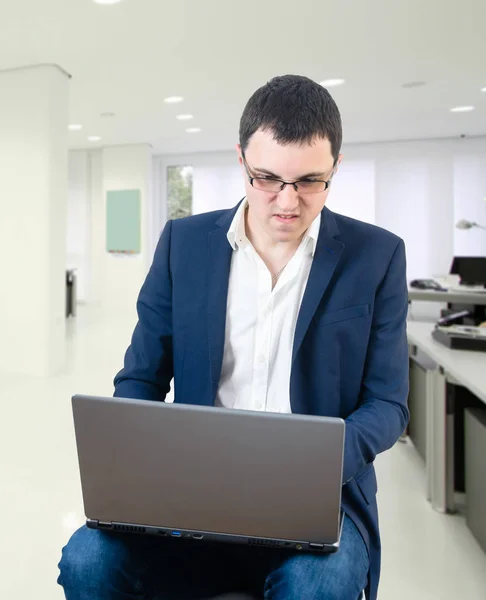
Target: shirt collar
x=237 y=234
x=313 y=233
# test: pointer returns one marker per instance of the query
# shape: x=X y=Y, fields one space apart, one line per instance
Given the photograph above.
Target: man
x=277 y=305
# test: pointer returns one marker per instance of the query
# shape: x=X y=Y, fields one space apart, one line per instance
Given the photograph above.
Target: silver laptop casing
x=209 y=473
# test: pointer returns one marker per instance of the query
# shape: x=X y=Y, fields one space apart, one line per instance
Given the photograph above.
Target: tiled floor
x=425 y=555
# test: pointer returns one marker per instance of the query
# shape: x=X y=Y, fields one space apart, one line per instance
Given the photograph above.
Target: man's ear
x=240 y=154
x=339 y=160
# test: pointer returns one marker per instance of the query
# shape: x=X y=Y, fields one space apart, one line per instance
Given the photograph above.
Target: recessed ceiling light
x=75 y=127
x=185 y=117
x=94 y=138
x=461 y=109
x=193 y=130
x=483 y=89
x=106 y=1
x=174 y=100
x=413 y=84
x=332 y=82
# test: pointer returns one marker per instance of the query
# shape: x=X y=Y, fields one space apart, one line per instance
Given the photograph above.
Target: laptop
x=205 y=473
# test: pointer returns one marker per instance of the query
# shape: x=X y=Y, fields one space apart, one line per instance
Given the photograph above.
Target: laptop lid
x=231 y=472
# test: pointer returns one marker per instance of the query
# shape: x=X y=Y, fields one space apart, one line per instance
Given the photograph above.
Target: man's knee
x=307 y=577
x=291 y=587
x=88 y=558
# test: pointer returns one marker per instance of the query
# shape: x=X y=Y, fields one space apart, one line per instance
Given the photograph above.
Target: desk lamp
x=464 y=224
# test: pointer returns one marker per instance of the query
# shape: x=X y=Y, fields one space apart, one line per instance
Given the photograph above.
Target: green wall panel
x=123 y=221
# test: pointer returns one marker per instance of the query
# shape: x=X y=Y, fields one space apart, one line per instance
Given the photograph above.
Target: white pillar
x=33 y=190
x=117 y=279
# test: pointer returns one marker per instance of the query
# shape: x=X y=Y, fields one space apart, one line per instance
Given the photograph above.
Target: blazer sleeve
x=148 y=367
x=383 y=413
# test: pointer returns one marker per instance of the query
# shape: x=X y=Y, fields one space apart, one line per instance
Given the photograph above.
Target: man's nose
x=288 y=199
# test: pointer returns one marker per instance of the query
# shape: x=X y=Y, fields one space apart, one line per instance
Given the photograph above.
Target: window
x=179 y=192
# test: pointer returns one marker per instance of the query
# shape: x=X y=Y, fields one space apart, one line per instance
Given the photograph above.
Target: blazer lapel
x=326 y=258
x=220 y=253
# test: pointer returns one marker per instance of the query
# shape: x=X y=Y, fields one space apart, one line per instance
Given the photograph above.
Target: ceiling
x=128 y=57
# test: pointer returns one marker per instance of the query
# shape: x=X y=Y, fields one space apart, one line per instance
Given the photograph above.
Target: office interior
x=106 y=95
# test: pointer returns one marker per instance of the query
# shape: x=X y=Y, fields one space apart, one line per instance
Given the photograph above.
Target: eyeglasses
x=274 y=185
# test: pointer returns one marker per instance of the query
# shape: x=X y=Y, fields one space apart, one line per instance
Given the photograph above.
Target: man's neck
x=273 y=253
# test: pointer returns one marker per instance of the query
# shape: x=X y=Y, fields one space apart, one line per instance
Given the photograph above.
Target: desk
x=460 y=367
x=452 y=297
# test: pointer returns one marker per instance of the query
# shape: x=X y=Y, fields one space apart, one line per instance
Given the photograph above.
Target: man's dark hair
x=296 y=110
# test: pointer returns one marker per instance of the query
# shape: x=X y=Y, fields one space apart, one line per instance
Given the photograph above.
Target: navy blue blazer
x=350 y=354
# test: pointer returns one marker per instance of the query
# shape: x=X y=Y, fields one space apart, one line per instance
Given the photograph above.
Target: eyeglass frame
x=327 y=182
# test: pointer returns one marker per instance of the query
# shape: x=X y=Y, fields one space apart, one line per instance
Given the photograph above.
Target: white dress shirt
x=260 y=323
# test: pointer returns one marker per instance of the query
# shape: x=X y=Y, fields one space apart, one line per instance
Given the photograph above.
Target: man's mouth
x=286 y=218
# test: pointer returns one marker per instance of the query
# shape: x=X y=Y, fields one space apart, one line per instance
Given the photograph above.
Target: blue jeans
x=99 y=565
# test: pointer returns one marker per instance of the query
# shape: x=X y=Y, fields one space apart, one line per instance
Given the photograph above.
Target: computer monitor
x=471 y=269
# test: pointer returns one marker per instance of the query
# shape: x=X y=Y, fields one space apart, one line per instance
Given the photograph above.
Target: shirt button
x=261 y=359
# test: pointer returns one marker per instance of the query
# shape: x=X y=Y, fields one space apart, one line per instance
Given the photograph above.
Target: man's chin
x=287 y=236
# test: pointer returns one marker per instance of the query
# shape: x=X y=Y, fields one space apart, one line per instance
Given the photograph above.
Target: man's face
x=286 y=215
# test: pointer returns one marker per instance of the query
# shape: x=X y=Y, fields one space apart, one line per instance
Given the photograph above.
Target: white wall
x=414 y=199
x=79 y=220
x=97 y=226
x=421 y=192
x=85 y=221
x=120 y=277
x=353 y=190
x=216 y=187
x=470 y=201
x=104 y=279
x=402 y=207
